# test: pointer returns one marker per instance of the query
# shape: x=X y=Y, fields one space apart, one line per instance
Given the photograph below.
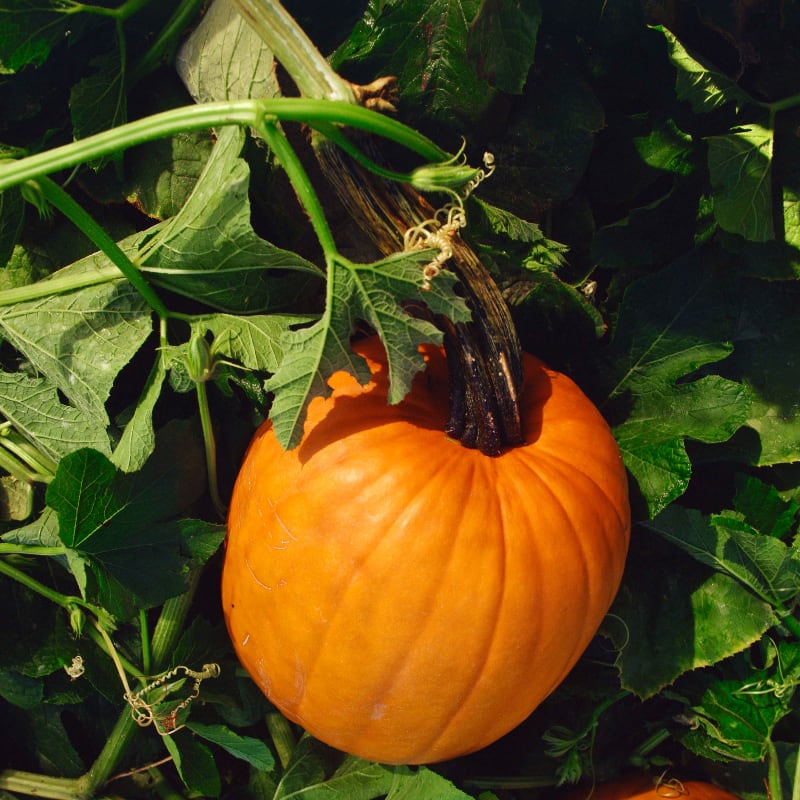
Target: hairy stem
x=210 y=115
x=311 y=73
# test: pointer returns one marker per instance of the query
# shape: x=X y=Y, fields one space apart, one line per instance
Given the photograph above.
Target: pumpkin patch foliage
x=286 y=513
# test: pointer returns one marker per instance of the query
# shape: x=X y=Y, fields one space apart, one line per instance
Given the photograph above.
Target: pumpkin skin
x=406 y=599
x=642 y=787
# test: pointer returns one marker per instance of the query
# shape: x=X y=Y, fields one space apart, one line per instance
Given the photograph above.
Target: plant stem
x=45 y=591
x=210 y=444
x=29 y=550
x=160 y=51
x=86 y=224
x=302 y=185
x=210 y=115
x=144 y=635
x=14 y=780
x=167 y=632
x=58 y=284
x=311 y=73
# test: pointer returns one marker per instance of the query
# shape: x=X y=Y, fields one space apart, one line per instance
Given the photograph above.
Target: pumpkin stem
x=484 y=355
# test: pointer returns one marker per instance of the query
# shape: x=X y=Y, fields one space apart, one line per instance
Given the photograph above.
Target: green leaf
x=138 y=439
x=425 y=45
x=252 y=341
x=81 y=340
x=99 y=101
x=254 y=751
x=740 y=164
x=29 y=31
x=34 y=409
x=732 y=724
x=765 y=565
x=20 y=690
x=766 y=360
x=703 y=87
x=561 y=114
x=195 y=764
x=501 y=42
x=12 y=215
x=709 y=617
x=372 y=293
x=670 y=324
x=763 y=508
x=113 y=524
x=224 y=59
x=209 y=251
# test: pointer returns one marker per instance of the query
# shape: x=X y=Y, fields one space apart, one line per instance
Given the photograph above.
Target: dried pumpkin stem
x=484 y=355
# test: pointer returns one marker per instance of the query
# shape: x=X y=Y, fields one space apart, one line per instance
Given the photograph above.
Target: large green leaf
x=33 y=407
x=501 y=41
x=368 y=292
x=702 y=86
x=210 y=252
x=424 y=44
x=709 y=617
x=671 y=324
x=740 y=163
x=224 y=58
x=81 y=340
x=766 y=359
x=123 y=548
x=763 y=564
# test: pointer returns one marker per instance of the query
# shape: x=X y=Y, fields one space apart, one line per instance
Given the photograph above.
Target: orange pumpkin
x=407 y=599
x=642 y=787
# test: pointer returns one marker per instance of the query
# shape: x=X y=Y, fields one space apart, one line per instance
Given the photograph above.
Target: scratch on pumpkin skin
x=255 y=577
x=284 y=543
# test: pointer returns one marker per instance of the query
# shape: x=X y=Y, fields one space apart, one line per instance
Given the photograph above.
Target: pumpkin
x=642 y=787
x=409 y=600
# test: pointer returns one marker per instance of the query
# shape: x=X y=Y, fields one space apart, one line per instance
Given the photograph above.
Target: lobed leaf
x=80 y=341
x=210 y=252
x=424 y=44
x=368 y=292
x=709 y=617
x=670 y=324
x=763 y=564
x=703 y=87
x=740 y=164
x=33 y=407
x=224 y=59
x=122 y=547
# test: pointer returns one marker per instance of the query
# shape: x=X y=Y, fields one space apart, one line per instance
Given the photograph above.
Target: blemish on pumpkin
x=245 y=640
x=378 y=710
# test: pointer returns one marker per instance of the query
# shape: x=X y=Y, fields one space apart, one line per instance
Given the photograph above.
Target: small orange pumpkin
x=642 y=787
x=407 y=599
